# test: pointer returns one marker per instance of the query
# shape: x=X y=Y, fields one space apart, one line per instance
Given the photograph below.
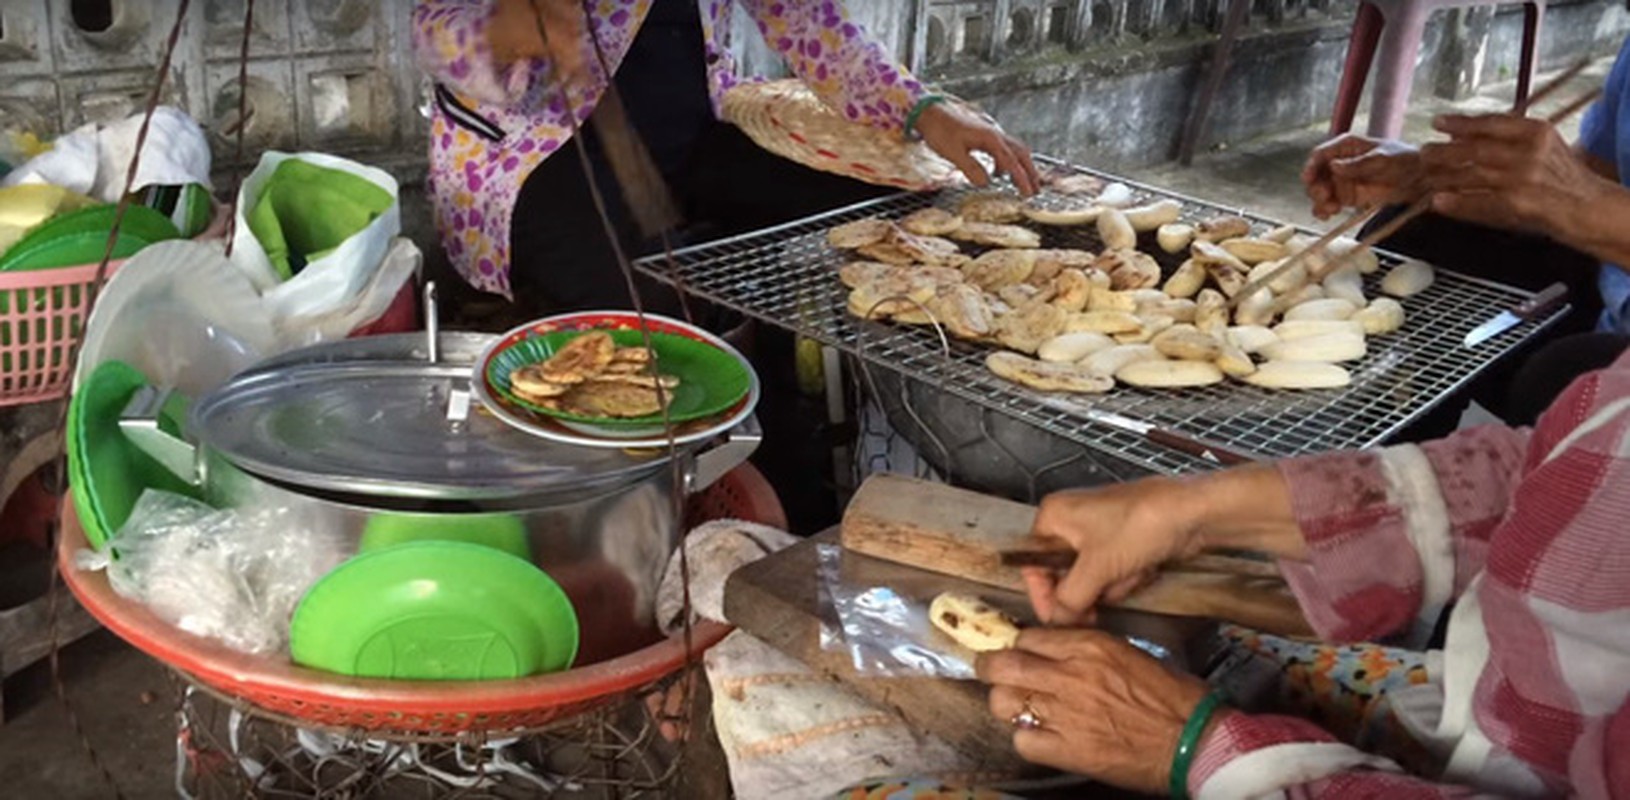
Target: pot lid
x=396 y=429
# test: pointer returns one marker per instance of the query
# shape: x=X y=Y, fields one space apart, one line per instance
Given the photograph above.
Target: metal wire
x=787 y=275
x=225 y=748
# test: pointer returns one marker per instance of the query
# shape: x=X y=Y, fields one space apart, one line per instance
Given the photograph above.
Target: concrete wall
x=333 y=75
x=1122 y=102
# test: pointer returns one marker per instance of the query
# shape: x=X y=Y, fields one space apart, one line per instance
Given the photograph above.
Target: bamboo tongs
x=1420 y=205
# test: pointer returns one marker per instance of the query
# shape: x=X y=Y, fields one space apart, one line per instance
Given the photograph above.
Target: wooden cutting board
x=961 y=533
x=778 y=600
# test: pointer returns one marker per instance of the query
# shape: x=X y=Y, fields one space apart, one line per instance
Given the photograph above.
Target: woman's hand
x=1351 y=171
x=1105 y=708
x=1123 y=532
x=956 y=133
x=1510 y=172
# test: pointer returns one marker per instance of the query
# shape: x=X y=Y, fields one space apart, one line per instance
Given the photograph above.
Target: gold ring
x=1027 y=719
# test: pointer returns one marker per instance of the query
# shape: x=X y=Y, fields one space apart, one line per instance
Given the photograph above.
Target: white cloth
x=791 y=733
x=788 y=732
x=716 y=549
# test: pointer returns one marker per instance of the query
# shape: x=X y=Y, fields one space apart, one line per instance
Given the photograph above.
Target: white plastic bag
x=230 y=575
x=401 y=263
x=328 y=284
x=95 y=161
x=180 y=314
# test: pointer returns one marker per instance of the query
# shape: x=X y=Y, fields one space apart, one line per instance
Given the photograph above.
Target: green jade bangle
x=927 y=101
x=1189 y=744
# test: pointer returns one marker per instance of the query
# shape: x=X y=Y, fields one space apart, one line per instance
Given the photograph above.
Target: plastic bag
x=329 y=280
x=229 y=575
x=401 y=264
x=180 y=314
x=95 y=160
x=887 y=632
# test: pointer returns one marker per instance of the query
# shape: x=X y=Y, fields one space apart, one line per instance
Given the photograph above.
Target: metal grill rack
x=787 y=275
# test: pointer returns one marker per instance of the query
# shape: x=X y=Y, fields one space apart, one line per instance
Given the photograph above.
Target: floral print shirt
x=492 y=124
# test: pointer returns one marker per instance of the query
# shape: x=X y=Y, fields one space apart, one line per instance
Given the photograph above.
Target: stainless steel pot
x=368 y=442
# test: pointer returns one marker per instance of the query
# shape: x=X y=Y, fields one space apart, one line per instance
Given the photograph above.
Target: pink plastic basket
x=42 y=315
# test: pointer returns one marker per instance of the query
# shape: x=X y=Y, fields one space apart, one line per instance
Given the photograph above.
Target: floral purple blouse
x=492 y=124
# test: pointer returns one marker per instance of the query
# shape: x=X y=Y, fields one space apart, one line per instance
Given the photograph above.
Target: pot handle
x=140 y=424
x=713 y=463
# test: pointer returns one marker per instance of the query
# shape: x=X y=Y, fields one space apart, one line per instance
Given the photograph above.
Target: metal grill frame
x=786 y=275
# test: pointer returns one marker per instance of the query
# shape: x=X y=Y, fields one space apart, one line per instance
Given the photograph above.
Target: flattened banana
x=1382 y=316
x=1329 y=348
x=583 y=356
x=1346 y=283
x=1250 y=338
x=1299 y=375
x=1110 y=322
x=1169 y=374
x=1108 y=361
x=1304 y=328
x=858 y=234
x=1234 y=362
x=997 y=235
x=991 y=207
x=1064 y=214
x=972 y=623
x=1152 y=216
x=1068 y=348
x=1187 y=281
x=1045 y=376
x=1211 y=311
x=931 y=221
x=1217 y=229
x=1116 y=230
x=1255 y=251
x=1173 y=237
x=1187 y=344
x=1409 y=278
x=1327 y=308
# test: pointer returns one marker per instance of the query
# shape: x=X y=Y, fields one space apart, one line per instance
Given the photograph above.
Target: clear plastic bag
x=229 y=575
x=887 y=632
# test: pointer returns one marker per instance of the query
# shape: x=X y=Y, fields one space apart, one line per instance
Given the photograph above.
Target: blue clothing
x=1605 y=134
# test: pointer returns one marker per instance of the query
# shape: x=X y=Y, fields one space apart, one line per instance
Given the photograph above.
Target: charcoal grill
x=787 y=276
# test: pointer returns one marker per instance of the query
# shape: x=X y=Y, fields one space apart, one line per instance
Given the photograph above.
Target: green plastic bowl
x=435 y=611
x=711 y=380
x=503 y=532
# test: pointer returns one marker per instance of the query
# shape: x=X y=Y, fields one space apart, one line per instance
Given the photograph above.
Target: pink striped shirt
x=1529 y=532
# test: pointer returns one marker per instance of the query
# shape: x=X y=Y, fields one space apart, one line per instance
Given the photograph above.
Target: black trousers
x=1518 y=388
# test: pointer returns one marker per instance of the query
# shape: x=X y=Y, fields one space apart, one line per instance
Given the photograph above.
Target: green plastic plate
x=435 y=611
x=106 y=473
x=81 y=237
x=710 y=380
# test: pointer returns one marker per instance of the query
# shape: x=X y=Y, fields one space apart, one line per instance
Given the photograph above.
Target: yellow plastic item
x=23 y=207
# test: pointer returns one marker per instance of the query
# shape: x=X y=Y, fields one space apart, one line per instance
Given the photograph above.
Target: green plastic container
x=435 y=611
